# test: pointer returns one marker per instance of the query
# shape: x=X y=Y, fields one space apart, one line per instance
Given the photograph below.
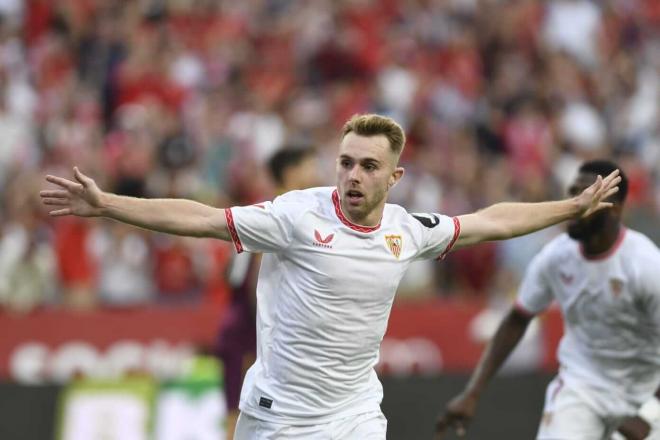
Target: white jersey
x=324 y=295
x=611 y=309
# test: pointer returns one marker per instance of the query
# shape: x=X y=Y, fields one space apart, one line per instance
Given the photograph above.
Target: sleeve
x=535 y=294
x=439 y=233
x=264 y=227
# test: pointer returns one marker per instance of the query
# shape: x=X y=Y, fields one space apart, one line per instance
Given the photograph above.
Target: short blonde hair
x=373 y=125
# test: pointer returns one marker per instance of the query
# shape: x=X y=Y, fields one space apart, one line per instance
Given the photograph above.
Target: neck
x=370 y=219
x=599 y=244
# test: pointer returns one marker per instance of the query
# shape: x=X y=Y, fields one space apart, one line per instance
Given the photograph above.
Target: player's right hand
x=592 y=198
x=458 y=413
x=82 y=197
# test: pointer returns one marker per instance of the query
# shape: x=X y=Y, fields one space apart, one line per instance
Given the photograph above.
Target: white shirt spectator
x=572 y=26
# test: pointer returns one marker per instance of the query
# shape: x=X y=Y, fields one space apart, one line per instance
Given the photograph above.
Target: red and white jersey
x=324 y=295
x=611 y=309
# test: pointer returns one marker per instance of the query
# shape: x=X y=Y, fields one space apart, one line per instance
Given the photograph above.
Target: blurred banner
x=140 y=408
x=509 y=409
x=55 y=346
x=109 y=410
x=448 y=337
x=422 y=338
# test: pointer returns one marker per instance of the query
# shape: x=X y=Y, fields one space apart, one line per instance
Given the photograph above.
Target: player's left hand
x=592 y=198
x=634 y=428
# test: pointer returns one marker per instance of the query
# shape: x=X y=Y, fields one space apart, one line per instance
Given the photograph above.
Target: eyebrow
x=363 y=160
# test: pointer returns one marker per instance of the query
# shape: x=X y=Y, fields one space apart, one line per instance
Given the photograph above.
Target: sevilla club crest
x=394 y=243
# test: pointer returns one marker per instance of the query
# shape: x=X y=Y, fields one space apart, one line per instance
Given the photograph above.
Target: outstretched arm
x=83 y=198
x=461 y=409
x=508 y=220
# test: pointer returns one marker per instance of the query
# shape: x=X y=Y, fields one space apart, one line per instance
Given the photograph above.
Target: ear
x=396 y=175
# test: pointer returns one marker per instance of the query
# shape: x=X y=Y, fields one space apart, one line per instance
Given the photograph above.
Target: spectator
x=164 y=98
x=27 y=260
x=124 y=265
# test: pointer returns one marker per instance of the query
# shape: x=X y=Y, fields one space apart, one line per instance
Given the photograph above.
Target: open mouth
x=354 y=197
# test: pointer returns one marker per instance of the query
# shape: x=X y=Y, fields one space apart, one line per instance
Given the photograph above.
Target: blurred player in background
x=606 y=279
x=291 y=168
x=333 y=259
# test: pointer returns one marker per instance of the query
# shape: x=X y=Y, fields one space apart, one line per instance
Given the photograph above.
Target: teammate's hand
x=591 y=199
x=458 y=413
x=81 y=198
x=634 y=428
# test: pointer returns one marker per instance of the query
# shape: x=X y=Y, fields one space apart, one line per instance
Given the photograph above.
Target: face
x=581 y=228
x=366 y=170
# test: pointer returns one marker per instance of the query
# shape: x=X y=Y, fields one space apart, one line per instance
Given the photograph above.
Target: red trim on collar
x=608 y=253
x=347 y=222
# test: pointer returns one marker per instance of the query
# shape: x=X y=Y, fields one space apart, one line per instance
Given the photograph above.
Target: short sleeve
x=264 y=227
x=438 y=232
x=535 y=294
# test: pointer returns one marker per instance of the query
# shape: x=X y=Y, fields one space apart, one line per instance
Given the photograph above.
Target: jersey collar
x=346 y=221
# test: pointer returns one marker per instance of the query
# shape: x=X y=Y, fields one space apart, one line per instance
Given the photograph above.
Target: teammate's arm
x=508 y=220
x=461 y=408
x=83 y=198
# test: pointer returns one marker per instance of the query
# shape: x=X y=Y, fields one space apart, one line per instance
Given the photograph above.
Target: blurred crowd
x=501 y=100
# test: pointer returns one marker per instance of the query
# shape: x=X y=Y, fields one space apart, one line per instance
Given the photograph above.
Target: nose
x=354 y=174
